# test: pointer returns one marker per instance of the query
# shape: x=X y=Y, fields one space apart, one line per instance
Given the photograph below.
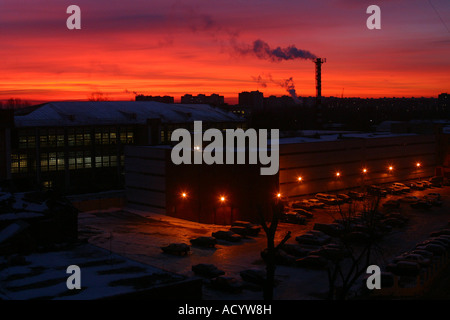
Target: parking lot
x=140 y=236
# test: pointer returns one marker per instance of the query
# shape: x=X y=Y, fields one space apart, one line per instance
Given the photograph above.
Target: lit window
x=60 y=140
x=43 y=141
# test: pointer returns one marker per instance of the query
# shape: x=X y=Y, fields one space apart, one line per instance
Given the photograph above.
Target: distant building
x=276 y=103
x=443 y=101
x=164 y=99
x=78 y=146
x=253 y=100
x=213 y=99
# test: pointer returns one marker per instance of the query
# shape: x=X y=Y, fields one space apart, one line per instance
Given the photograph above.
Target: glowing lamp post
x=418 y=166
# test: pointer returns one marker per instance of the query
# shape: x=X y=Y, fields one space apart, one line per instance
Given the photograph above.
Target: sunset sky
x=157 y=47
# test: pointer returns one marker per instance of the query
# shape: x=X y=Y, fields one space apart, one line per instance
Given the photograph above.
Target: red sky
x=157 y=47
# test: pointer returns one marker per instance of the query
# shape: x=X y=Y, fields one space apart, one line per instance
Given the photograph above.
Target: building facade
x=79 y=146
x=326 y=162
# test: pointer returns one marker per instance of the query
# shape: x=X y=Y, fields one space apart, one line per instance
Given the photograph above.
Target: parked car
x=313 y=237
x=409 y=199
x=316 y=203
x=303 y=212
x=327 y=198
x=229 y=236
x=393 y=222
x=344 y=197
x=404 y=268
x=293 y=217
x=254 y=276
x=304 y=204
x=421 y=260
x=376 y=191
x=416 y=185
x=331 y=251
x=439 y=240
x=426 y=184
x=394 y=190
x=434 y=195
x=401 y=186
x=436 y=249
x=355 y=195
x=440 y=232
x=436 y=181
x=433 y=201
x=298 y=250
x=423 y=253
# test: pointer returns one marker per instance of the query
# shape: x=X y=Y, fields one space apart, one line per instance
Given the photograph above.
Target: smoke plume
x=263 y=51
x=290 y=87
x=287 y=84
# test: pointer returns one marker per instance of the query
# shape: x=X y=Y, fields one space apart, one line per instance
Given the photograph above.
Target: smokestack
x=318 y=62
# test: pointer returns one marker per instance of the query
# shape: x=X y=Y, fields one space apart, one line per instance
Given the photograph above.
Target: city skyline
x=161 y=48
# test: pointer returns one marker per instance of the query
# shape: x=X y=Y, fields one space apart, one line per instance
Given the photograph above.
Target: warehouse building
x=320 y=162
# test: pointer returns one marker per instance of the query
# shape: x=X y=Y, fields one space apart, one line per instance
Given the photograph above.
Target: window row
x=56 y=161
x=77 y=138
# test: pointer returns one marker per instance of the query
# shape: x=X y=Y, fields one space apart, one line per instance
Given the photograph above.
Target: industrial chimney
x=318 y=62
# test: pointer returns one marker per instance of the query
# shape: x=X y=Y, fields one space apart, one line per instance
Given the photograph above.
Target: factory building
x=321 y=162
x=78 y=146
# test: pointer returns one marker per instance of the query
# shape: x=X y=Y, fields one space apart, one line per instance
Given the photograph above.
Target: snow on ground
x=140 y=236
x=43 y=275
x=132 y=240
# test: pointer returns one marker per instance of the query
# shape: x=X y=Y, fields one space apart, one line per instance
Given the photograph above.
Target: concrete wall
x=318 y=162
x=145 y=178
x=155 y=184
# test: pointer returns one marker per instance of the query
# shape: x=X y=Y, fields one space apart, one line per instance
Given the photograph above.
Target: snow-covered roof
x=79 y=113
